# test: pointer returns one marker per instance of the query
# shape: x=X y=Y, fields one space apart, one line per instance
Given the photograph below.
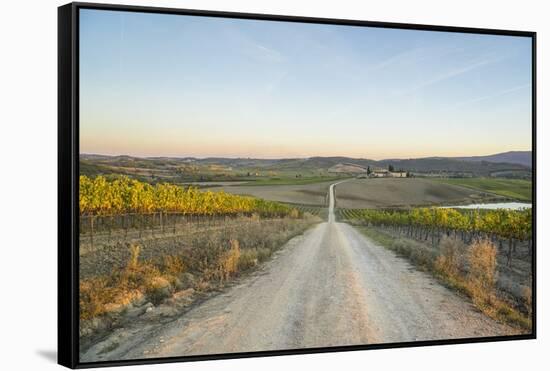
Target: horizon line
x=297 y=157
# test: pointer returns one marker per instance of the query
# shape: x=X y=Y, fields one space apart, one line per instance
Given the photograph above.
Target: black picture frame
x=68 y=173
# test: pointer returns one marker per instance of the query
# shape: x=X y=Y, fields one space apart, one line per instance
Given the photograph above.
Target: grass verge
x=470 y=270
x=203 y=263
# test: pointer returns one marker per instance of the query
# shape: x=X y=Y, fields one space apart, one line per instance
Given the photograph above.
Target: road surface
x=331 y=286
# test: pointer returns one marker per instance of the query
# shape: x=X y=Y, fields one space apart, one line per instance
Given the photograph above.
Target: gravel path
x=331 y=286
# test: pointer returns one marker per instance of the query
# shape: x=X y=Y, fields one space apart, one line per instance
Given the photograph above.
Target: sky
x=173 y=85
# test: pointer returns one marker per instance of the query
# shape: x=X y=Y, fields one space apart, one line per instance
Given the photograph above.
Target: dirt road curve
x=332 y=286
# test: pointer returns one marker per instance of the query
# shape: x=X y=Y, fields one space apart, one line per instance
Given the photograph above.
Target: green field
x=517 y=189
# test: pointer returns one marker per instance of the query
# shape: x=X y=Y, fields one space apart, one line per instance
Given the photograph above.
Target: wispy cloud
x=491 y=96
x=472 y=65
x=275 y=82
x=414 y=55
x=267 y=54
x=249 y=45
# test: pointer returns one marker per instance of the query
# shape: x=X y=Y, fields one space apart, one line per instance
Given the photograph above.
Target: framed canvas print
x=237 y=185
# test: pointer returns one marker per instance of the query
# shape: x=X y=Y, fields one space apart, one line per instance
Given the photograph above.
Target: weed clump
x=481 y=277
x=105 y=294
x=250 y=258
x=228 y=262
x=449 y=260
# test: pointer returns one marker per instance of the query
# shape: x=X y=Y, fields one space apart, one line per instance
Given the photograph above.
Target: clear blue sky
x=170 y=85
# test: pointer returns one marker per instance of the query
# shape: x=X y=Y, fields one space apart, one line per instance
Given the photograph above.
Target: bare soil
x=406 y=192
x=306 y=194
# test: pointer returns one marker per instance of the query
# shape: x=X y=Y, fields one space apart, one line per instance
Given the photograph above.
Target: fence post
x=92 y=231
x=125 y=222
x=140 y=224
x=153 y=225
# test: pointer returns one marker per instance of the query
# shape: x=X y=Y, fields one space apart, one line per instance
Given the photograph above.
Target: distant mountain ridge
x=511 y=157
x=515 y=161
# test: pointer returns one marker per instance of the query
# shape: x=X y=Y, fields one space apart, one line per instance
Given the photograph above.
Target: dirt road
x=331 y=286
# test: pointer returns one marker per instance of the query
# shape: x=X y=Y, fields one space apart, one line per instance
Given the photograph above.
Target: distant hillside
x=513 y=157
x=347 y=169
x=431 y=165
x=510 y=164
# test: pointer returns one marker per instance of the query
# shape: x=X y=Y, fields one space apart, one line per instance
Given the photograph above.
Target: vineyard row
x=424 y=223
x=99 y=196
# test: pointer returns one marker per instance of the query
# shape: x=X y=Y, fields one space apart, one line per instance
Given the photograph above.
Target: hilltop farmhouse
x=367 y=172
x=385 y=173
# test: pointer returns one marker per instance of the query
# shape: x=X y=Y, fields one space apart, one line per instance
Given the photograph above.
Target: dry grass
x=252 y=257
x=248 y=259
x=154 y=271
x=481 y=278
x=472 y=270
x=294 y=214
x=174 y=265
x=228 y=262
x=478 y=282
x=422 y=256
x=198 y=246
x=449 y=261
x=105 y=294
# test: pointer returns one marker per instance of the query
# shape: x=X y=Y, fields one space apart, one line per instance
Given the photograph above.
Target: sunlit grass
x=518 y=189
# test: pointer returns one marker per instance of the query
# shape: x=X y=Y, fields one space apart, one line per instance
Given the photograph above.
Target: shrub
x=263 y=254
x=136 y=277
x=134 y=256
x=173 y=265
x=481 y=278
x=448 y=261
x=94 y=294
x=421 y=257
x=248 y=259
x=228 y=262
x=294 y=214
x=412 y=250
x=157 y=289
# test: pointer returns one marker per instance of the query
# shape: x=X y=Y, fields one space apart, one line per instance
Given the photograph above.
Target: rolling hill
x=509 y=164
x=512 y=157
